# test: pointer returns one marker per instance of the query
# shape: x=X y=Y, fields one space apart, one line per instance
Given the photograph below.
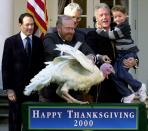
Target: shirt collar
x=23 y=36
x=61 y=37
x=109 y=29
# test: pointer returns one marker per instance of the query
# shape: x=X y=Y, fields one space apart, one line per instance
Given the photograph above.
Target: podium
x=102 y=117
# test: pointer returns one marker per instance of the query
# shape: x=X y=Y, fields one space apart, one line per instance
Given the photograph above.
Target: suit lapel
x=21 y=46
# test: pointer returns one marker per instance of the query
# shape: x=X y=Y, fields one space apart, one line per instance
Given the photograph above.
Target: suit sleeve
x=49 y=46
x=86 y=49
x=121 y=31
x=7 y=65
x=113 y=35
x=41 y=57
x=90 y=40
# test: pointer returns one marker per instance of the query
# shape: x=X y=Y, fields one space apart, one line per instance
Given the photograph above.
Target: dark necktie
x=28 y=47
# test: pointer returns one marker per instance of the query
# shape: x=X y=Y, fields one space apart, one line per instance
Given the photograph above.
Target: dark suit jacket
x=101 y=45
x=50 y=41
x=16 y=70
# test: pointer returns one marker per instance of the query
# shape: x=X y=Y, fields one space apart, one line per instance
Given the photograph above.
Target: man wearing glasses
x=75 y=11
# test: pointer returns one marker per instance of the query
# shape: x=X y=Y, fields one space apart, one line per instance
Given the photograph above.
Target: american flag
x=39 y=11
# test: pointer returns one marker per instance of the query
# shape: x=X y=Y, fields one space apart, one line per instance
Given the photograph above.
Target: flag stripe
x=40 y=4
x=39 y=11
x=39 y=21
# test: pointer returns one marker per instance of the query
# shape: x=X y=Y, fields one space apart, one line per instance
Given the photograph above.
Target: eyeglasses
x=76 y=18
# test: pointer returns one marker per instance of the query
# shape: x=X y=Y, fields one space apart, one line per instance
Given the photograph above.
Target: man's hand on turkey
x=71 y=71
x=92 y=58
x=102 y=59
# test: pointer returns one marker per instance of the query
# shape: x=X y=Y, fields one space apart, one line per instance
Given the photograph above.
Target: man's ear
x=58 y=29
x=19 y=24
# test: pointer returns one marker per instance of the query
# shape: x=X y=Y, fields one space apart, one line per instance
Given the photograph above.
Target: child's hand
x=130 y=62
x=99 y=26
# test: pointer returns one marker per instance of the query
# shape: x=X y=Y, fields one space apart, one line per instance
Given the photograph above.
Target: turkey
x=71 y=71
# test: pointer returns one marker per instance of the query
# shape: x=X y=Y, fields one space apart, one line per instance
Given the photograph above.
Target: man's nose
x=74 y=19
x=104 y=17
x=30 y=26
x=72 y=30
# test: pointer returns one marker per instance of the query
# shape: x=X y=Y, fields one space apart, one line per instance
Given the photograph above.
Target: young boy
x=126 y=48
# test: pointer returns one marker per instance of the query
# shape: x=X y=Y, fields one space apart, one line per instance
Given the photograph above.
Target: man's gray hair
x=101 y=5
x=72 y=7
x=61 y=18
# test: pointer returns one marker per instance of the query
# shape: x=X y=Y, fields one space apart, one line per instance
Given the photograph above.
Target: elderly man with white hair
x=75 y=11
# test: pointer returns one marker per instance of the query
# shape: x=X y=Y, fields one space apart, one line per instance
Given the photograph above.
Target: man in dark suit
x=106 y=92
x=65 y=34
x=22 y=58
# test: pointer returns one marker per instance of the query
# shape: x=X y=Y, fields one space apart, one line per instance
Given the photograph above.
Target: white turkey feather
x=78 y=55
x=71 y=71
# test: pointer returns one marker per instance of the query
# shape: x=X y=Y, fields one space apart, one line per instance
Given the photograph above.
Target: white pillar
x=6 y=25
